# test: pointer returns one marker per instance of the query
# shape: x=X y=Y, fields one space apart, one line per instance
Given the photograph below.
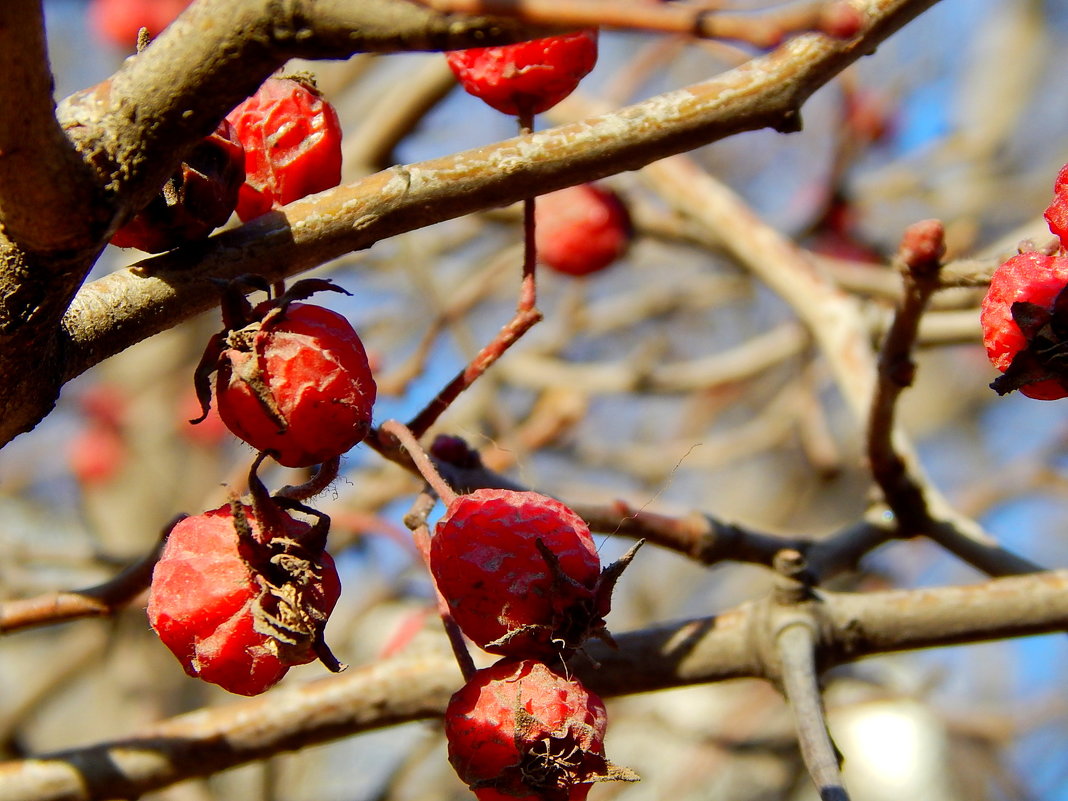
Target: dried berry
x=1025 y=325
x=293 y=379
x=520 y=573
x=519 y=730
x=1057 y=212
x=239 y=600
x=292 y=140
x=529 y=77
x=581 y=229
x=195 y=201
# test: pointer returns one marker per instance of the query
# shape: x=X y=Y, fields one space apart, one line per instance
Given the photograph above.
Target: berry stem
x=419 y=456
x=322 y=478
x=528 y=292
x=506 y=337
x=415 y=520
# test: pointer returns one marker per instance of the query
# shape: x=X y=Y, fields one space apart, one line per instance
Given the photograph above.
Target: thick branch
x=43 y=182
x=698 y=651
x=124 y=308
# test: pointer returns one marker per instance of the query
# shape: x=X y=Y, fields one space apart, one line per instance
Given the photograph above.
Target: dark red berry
x=519 y=730
x=520 y=573
x=292 y=140
x=238 y=602
x=1024 y=317
x=528 y=77
x=195 y=201
x=581 y=229
x=296 y=382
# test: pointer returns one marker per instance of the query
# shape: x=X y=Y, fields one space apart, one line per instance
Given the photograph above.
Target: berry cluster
x=520 y=576
x=1025 y=313
x=279 y=145
x=241 y=593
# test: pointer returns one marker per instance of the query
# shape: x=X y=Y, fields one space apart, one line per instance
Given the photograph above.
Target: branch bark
x=693 y=652
x=130 y=305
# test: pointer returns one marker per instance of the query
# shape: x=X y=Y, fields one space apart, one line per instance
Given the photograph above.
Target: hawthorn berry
x=520 y=573
x=581 y=229
x=528 y=77
x=292 y=141
x=1057 y=212
x=293 y=379
x=518 y=730
x=197 y=199
x=239 y=595
x=1024 y=317
x=119 y=21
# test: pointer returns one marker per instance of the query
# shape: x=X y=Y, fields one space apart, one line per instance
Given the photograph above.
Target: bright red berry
x=238 y=602
x=293 y=380
x=581 y=229
x=195 y=201
x=1057 y=212
x=519 y=730
x=529 y=77
x=520 y=573
x=1025 y=325
x=292 y=140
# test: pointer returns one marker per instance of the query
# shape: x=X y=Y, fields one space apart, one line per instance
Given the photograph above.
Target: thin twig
x=833 y=17
x=101 y=600
x=800 y=681
x=407 y=439
x=523 y=321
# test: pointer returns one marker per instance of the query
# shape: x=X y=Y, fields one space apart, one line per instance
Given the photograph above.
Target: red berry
x=519 y=730
x=1025 y=325
x=1057 y=212
x=507 y=594
x=195 y=201
x=296 y=383
x=236 y=610
x=527 y=77
x=292 y=140
x=119 y=21
x=581 y=229
x=96 y=454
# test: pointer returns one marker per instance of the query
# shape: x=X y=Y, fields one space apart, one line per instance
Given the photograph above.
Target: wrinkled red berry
x=519 y=730
x=1057 y=212
x=581 y=229
x=529 y=77
x=1025 y=325
x=292 y=140
x=195 y=201
x=506 y=592
x=239 y=610
x=296 y=383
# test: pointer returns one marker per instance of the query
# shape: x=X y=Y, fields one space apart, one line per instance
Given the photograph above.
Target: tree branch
x=43 y=182
x=128 y=306
x=400 y=690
